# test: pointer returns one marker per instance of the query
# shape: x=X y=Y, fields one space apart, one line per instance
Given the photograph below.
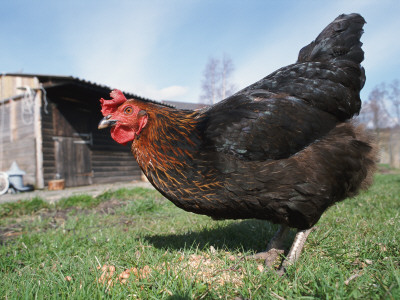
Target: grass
x=132 y=243
x=22 y=207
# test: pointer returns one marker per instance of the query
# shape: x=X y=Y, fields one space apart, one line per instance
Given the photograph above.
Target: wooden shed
x=48 y=125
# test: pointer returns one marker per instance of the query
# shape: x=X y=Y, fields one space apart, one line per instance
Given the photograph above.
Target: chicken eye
x=128 y=110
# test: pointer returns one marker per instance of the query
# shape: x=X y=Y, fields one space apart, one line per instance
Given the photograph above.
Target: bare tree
x=210 y=81
x=394 y=96
x=376 y=116
x=377 y=105
x=227 y=69
x=216 y=83
x=373 y=110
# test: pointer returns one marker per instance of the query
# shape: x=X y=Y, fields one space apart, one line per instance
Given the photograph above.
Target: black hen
x=281 y=149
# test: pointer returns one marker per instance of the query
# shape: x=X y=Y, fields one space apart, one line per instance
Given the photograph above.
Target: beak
x=106 y=122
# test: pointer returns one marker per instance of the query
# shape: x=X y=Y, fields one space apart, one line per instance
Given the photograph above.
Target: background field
x=135 y=244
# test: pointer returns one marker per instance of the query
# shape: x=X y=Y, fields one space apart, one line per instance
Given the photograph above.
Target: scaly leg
x=275 y=247
x=295 y=250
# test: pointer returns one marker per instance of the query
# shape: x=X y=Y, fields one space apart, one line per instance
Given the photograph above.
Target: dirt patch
x=108 y=207
x=56 y=218
x=203 y=268
x=385 y=170
x=9 y=232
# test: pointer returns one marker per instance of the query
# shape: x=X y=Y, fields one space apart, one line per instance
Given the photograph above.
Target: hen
x=282 y=149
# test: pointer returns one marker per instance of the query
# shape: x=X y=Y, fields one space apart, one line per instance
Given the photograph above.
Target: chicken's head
x=124 y=116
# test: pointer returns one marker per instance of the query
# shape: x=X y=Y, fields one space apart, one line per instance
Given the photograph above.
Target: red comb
x=110 y=106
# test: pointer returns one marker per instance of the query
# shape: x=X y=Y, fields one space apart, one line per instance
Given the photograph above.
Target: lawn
x=134 y=244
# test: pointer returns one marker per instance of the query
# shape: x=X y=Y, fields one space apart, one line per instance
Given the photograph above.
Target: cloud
x=280 y=47
x=380 y=45
x=114 y=46
x=284 y=40
x=169 y=93
x=137 y=48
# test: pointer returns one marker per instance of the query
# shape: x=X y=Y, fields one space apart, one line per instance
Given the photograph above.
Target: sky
x=159 y=49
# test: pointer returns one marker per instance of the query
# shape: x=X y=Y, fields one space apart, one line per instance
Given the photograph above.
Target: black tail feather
x=340 y=40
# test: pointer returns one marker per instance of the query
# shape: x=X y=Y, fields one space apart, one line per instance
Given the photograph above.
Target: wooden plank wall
x=49 y=155
x=5 y=134
x=110 y=167
x=110 y=161
x=18 y=141
x=10 y=85
x=389 y=146
x=17 y=135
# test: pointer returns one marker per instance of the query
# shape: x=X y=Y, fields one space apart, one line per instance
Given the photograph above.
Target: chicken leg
x=295 y=250
x=275 y=247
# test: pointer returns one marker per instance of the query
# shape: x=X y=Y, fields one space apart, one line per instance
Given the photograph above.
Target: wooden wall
x=18 y=140
x=17 y=136
x=111 y=162
x=68 y=121
x=70 y=118
x=110 y=167
x=389 y=146
x=49 y=155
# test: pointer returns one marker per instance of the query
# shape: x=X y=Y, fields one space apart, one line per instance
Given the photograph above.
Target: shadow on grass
x=247 y=235
x=179 y=297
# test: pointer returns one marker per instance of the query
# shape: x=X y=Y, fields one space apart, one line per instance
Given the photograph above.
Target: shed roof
x=55 y=81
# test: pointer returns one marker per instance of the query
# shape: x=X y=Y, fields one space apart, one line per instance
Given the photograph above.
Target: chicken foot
x=275 y=247
x=295 y=250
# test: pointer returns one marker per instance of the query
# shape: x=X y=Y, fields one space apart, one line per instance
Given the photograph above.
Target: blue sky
x=158 y=49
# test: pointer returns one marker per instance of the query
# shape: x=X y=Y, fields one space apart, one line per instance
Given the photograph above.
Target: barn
x=48 y=125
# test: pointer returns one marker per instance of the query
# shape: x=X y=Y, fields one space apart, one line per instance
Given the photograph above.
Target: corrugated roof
x=185 y=105
x=50 y=81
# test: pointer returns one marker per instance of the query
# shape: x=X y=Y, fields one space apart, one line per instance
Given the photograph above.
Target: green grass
x=22 y=207
x=172 y=254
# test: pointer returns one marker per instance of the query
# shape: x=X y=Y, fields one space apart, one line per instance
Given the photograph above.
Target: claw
x=275 y=249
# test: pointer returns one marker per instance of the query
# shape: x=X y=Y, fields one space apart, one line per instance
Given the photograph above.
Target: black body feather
x=281 y=149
